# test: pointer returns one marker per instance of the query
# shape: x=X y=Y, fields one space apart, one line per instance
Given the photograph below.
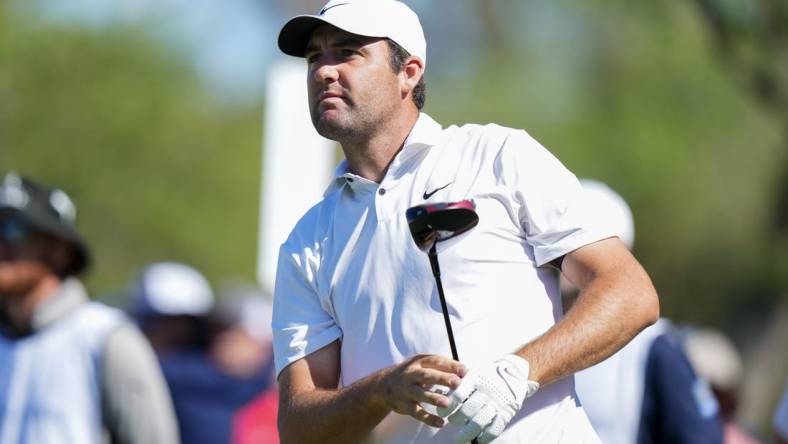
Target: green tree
x=635 y=97
x=158 y=168
x=751 y=41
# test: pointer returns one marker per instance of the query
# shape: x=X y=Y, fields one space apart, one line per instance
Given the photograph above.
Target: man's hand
x=314 y=409
x=407 y=385
x=488 y=398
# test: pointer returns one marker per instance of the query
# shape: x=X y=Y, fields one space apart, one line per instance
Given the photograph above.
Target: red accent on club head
x=435 y=222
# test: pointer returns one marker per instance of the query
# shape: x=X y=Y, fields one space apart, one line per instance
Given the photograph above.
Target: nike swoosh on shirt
x=428 y=195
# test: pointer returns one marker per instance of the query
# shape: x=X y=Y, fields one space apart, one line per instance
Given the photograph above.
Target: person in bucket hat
x=71 y=370
x=27 y=209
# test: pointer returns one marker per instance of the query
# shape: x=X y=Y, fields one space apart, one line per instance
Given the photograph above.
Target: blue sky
x=228 y=41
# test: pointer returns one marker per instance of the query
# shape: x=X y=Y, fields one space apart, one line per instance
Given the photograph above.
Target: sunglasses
x=15 y=231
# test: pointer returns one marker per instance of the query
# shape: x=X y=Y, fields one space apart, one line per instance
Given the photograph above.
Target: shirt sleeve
x=136 y=403
x=302 y=324
x=549 y=200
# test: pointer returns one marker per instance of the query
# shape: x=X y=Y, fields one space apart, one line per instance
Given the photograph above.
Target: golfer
x=361 y=349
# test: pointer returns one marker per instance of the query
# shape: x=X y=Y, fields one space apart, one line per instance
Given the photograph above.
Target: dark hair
x=397 y=56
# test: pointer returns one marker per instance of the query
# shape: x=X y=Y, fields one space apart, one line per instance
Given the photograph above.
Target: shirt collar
x=70 y=295
x=63 y=301
x=426 y=133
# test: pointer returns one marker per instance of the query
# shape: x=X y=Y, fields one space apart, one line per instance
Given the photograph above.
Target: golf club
x=436 y=222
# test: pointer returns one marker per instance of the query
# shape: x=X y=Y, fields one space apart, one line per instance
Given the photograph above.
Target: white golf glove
x=488 y=398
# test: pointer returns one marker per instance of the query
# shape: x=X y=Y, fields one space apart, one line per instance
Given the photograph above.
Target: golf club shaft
x=436 y=272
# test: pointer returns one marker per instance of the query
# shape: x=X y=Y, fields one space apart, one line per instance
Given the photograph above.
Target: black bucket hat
x=48 y=210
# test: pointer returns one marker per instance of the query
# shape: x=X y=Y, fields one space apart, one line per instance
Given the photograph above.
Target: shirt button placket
x=380 y=208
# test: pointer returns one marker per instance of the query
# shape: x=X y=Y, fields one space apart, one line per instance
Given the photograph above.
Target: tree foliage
x=158 y=169
x=633 y=96
x=636 y=98
x=751 y=39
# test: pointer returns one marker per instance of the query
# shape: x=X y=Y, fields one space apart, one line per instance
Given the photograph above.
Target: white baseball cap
x=172 y=289
x=247 y=306
x=370 y=18
x=610 y=209
x=714 y=357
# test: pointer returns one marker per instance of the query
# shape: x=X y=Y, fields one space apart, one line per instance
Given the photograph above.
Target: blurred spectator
x=71 y=370
x=716 y=359
x=172 y=303
x=243 y=344
x=780 y=420
x=256 y=422
x=213 y=360
x=250 y=312
x=647 y=392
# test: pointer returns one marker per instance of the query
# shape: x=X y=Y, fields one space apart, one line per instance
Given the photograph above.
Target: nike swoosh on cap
x=323 y=11
x=428 y=195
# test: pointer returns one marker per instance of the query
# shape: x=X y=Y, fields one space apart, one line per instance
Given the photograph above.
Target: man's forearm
x=609 y=312
x=311 y=410
x=344 y=415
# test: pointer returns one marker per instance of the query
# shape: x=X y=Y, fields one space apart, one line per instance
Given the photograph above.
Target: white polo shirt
x=351 y=271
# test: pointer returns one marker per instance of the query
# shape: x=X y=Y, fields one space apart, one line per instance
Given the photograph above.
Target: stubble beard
x=350 y=126
x=337 y=130
x=346 y=128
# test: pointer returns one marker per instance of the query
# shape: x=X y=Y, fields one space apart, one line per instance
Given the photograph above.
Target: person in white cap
x=716 y=359
x=647 y=392
x=172 y=303
x=359 y=339
x=214 y=355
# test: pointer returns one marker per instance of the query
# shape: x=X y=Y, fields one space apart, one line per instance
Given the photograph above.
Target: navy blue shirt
x=205 y=398
x=678 y=407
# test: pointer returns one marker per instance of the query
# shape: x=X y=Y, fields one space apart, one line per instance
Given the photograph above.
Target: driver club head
x=435 y=222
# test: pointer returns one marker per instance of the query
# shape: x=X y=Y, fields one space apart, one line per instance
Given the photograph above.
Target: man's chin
x=331 y=128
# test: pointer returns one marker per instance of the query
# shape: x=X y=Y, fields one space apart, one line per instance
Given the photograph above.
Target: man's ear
x=410 y=75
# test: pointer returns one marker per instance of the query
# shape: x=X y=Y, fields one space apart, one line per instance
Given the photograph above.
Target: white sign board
x=297 y=163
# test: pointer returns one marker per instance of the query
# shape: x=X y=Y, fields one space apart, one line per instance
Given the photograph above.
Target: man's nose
x=326 y=73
